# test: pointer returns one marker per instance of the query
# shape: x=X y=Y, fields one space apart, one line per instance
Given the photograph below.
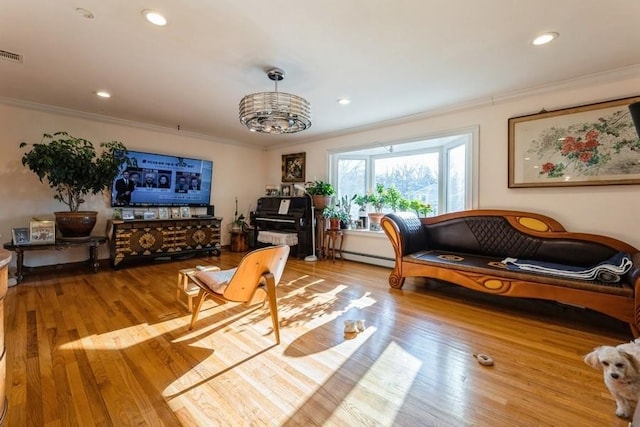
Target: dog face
x=617 y=365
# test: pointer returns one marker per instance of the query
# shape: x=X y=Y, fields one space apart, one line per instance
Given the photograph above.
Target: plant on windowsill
x=73 y=169
x=421 y=209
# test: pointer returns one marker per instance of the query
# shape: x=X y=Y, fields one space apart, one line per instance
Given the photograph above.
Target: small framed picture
x=185 y=212
x=42 y=232
x=149 y=215
x=175 y=212
x=127 y=214
x=286 y=190
x=163 y=213
x=20 y=236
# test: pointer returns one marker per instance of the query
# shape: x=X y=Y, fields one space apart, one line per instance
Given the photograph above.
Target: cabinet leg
x=93 y=255
x=19 y=265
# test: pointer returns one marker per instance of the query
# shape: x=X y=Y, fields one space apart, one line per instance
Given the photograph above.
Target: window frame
x=471 y=160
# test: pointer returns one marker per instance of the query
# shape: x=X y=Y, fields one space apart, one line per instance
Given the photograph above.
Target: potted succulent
x=321 y=193
x=73 y=169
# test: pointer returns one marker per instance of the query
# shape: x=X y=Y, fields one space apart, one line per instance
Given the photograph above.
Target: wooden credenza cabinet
x=139 y=239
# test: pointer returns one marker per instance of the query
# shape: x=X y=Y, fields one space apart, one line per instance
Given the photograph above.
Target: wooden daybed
x=467 y=248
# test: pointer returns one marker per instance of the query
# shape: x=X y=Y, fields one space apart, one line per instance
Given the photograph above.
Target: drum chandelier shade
x=275 y=112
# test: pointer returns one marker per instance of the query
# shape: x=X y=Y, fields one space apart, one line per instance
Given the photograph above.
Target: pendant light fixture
x=275 y=112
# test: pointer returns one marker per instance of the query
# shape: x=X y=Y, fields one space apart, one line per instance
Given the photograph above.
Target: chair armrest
x=406 y=232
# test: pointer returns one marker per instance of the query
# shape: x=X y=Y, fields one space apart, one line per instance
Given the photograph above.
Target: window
x=440 y=170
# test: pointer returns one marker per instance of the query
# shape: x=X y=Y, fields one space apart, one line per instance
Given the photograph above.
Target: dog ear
x=592 y=360
x=632 y=362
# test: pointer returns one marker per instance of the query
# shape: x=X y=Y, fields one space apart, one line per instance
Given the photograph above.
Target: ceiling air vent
x=10 y=56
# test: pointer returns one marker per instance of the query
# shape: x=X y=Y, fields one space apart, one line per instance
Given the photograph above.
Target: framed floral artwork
x=293 y=167
x=593 y=144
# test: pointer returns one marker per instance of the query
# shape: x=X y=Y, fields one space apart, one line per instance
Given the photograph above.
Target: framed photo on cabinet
x=163 y=213
x=42 y=232
x=20 y=236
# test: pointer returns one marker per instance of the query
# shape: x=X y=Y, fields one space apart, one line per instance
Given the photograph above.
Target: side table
x=334 y=238
x=91 y=242
x=186 y=287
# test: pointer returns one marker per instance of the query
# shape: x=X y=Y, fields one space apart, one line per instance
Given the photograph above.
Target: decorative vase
x=374 y=220
x=334 y=223
x=77 y=224
x=321 y=202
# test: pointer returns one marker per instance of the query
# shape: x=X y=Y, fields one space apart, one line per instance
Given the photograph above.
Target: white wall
x=610 y=210
x=238 y=171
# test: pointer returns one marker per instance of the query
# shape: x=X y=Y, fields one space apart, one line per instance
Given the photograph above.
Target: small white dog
x=621 y=369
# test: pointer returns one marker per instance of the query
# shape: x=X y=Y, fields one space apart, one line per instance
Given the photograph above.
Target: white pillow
x=216 y=280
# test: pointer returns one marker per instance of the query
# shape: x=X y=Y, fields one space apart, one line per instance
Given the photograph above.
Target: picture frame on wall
x=293 y=167
x=20 y=236
x=42 y=232
x=594 y=144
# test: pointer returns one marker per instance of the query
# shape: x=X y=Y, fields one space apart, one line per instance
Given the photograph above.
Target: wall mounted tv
x=163 y=180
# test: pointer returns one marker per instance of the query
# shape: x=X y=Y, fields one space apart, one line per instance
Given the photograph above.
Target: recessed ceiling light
x=545 y=38
x=344 y=101
x=154 y=17
x=103 y=94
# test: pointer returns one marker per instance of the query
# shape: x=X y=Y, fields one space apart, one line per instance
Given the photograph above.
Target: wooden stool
x=331 y=237
x=186 y=287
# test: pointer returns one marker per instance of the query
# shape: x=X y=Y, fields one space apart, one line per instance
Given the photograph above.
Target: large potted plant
x=321 y=193
x=73 y=169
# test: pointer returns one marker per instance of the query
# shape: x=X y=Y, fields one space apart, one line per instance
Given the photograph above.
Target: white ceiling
x=392 y=58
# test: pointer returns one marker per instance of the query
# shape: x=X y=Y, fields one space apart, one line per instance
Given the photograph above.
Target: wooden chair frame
x=257 y=273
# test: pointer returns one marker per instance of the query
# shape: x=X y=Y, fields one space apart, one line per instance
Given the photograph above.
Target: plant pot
x=76 y=225
x=334 y=223
x=374 y=220
x=321 y=202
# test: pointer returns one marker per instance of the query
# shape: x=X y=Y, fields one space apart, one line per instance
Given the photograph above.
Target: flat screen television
x=163 y=180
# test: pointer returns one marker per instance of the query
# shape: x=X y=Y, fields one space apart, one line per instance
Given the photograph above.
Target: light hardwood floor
x=113 y=348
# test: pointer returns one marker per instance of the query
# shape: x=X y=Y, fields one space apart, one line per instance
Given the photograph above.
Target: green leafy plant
x=361 y=200
x=335 y=211
x=420 y=208
x=380 y=198
x=72 y=167
x=321 y=188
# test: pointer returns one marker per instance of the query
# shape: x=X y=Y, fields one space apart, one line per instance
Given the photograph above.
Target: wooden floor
x=113 y=349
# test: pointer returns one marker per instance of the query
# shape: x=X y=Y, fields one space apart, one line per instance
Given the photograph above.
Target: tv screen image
x=163 y=180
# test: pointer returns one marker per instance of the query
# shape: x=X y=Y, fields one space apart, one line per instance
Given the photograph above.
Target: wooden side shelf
x=148 y=239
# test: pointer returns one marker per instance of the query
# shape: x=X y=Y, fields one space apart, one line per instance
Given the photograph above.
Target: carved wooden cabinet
x=140 y=239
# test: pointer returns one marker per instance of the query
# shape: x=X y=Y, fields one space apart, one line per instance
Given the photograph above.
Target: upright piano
x=288 y=216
